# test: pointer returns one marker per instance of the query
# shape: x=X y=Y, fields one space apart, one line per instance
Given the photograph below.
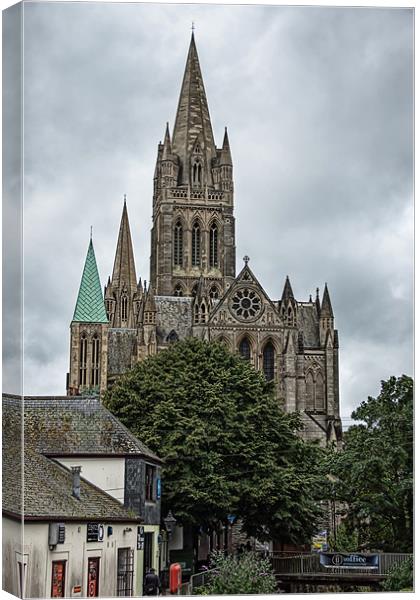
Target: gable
x=245 y=303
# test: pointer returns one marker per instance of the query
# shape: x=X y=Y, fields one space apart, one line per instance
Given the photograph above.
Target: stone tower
x=193 y=233
x=88 y=334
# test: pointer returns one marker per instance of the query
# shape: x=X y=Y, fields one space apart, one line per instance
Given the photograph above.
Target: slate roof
x=76 y=425
x=48 y=485
x=90 y=307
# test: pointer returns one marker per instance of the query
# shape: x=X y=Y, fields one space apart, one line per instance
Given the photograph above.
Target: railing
x=199 y=580
x=309 y=563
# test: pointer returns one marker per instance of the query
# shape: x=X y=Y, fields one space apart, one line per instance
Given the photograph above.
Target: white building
x=110 y=534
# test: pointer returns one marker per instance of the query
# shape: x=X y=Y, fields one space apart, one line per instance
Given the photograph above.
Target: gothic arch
x=245 y=348
x=222 y=339
x=179 y=289
x=310 y=390
x=214 y=292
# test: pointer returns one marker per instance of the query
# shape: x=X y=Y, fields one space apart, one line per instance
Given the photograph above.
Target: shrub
x=400 y=577
x=245 y=574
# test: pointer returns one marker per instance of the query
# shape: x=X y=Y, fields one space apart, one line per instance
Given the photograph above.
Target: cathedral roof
x=193 y=118
x=90 y=307
x=124 y=273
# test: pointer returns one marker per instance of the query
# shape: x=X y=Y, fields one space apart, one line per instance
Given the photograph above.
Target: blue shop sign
x=349 y=561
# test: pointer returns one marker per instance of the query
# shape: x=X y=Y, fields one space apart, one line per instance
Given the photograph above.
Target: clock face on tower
x=246 y=304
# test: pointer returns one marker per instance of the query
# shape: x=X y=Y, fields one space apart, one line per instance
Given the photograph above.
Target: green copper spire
x=90 y=307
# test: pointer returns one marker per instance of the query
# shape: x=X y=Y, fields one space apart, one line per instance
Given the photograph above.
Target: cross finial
x=246 y=259
x=91 y=228
x=125 y=198
x=192 y=26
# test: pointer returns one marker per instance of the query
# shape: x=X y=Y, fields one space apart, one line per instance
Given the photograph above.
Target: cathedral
x=194 y=289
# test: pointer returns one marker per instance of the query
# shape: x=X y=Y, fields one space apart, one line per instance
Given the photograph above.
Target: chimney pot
x=76 y=481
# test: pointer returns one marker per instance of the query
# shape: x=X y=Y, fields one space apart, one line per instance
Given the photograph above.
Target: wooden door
x=58 y=579
x=93 y=577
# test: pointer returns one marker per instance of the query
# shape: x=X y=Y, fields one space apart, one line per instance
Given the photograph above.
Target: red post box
x=175 y=578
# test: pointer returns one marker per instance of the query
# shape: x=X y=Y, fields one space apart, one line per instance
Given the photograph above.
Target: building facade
x=194 y=289
x=117 y=492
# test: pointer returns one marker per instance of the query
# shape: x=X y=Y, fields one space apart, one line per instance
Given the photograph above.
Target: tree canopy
x=228 y=446
x=375 y=469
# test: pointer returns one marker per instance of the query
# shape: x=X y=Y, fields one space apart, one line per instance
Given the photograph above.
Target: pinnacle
x=326 y=307
x=124 y=267
x=287 y=291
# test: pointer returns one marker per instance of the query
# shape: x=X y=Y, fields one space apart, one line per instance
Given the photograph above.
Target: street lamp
x=170 y=523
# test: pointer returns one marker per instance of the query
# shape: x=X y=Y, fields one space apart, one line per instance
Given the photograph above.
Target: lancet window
x=178 y=235
x=95 y=361
x=213 y=245
x=195 y=250
x=245 y=349
x=83 y=360
x=268 y=361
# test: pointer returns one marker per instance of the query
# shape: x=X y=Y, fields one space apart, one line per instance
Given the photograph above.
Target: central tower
x=193 y=233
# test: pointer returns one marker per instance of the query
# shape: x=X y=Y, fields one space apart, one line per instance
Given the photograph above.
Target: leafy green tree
x=245 y=574
x=228 y=446
x=375 y=469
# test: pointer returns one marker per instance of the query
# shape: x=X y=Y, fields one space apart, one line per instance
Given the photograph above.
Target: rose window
x=246 y=304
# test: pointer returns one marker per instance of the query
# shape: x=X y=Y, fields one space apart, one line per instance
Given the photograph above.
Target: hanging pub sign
x=140 y=537
x=158 y=488
x=349 y=561
x=95 y=532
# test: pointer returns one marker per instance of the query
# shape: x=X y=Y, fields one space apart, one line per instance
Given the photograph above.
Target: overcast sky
x=318 y=105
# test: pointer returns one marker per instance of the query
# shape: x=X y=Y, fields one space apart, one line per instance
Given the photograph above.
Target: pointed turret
x=122 y=297
x=150 y=304
x=167 y=149
x=124 y=272
x=225 y=155
x=193 y=118
x=326 y=308
x=317 y=303
x=90 y=307
x=287 y=291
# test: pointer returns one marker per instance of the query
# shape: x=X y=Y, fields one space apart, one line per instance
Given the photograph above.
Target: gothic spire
x=225 y=155
x=326 y=307
x=124 y=272
x=287 y=291
x=193 y=118
x=90 y=307
x=167 y=150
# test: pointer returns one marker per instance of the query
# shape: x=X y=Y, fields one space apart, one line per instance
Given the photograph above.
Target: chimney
x=76 y=481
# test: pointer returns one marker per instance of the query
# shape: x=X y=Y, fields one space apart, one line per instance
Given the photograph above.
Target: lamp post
x=170 y=523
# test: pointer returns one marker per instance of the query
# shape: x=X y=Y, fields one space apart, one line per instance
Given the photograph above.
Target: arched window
x=108 y=306
x=268 y=361
x=310 y=391
x=178 y=244
x=203 y=313
x=213 y=245
x=214 y=292
x=83 y=361
x=245 y=349
x=195 y=250
x=94 y=380
x=196 y=314
x=290 y=318
x=124 y=307
x=319 y=392
x=178 y=290
x=194 y=290
x=172 y=337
